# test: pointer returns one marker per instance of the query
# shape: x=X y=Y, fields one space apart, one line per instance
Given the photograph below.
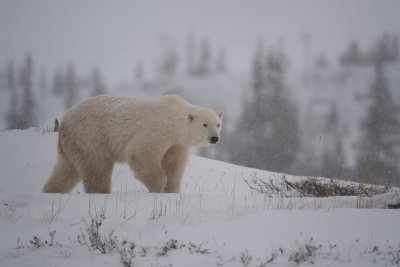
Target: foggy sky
x=116 y=34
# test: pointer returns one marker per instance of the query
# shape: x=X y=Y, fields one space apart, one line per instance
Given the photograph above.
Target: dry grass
x=313 y=187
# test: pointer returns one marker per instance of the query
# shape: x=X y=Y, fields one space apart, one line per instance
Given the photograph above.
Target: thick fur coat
x=153 y=137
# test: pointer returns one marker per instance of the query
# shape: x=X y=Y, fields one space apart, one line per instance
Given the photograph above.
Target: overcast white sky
x=115 y=34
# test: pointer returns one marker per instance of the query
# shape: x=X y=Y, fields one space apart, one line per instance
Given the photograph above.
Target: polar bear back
x=113 y=121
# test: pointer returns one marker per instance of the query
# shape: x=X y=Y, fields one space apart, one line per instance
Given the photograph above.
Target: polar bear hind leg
x=96 y=176
x=64 y=177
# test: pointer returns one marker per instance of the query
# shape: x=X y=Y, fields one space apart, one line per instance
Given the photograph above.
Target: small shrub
x=198 y=249
x=304 y=252
x=395 y=257
x=94 y=236
x=34 y=243
x=394 y=206
x=246 y=258
x=106 y=243
x=171 y=244
x=98 y=241
x=37 y=242
x=127 y=253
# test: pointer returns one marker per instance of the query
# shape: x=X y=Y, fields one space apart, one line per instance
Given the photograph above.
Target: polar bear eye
x=219 y=125
x=205 y=125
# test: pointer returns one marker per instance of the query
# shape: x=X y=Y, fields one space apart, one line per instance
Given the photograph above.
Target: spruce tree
x=28 y=103
x=282 y=121
x=267 y=132
x=379 y=153
x=13 y=115
x=221 y=61
x=99 y=87
x=190 y=54
x=71 y=87
x=332 y=154
x=250 y=138
x=353 y=55
x=168 y=66
x=59 y=83
x=204 y=64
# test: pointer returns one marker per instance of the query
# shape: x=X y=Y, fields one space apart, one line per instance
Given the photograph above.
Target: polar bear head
x=204 y=126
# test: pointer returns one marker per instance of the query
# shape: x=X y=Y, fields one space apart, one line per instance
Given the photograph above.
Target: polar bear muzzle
x=214 y=140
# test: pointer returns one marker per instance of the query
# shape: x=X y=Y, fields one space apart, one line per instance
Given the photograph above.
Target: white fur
x=153 y=137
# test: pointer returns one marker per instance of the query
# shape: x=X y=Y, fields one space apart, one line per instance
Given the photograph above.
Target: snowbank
x=217 y=220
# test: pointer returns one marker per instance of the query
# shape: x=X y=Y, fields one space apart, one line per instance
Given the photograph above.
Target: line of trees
x=24 y=99
x=201 y=59
x=268 y=136
x=22 y=104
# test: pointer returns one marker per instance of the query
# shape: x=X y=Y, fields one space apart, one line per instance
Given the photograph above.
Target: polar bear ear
x=220 y=113
x=191 y=117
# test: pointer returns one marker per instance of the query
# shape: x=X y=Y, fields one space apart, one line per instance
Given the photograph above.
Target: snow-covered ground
x=217 y=220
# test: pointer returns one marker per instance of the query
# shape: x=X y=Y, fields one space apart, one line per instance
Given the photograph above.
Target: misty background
x=308 y=87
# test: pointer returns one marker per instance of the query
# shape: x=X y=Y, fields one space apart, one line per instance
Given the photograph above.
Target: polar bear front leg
x=174 y=164
x=150 y=172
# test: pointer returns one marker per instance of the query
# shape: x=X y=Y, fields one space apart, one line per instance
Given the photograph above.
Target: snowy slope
x=217 y=220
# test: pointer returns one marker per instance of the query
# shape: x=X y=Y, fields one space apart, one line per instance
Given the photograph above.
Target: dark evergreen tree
x=139 y=71
x=43 y=83
x=385 y=50
x=250 y=139
x=204 y=63
x=379 y=153
x=13 y=115
x=190 y=55
x=168 y=66
x=59 y=83
x=71 y=87
x=99 y=87
x=221 y=61
x=28 y=103
x=267 y=132
x=332 y=154
x=282 y=118
x=353 y=55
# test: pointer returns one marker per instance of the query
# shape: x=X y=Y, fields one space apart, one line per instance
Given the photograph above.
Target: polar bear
x=153 y=137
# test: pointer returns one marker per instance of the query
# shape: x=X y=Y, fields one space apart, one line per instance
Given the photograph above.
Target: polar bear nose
x=214 y=140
